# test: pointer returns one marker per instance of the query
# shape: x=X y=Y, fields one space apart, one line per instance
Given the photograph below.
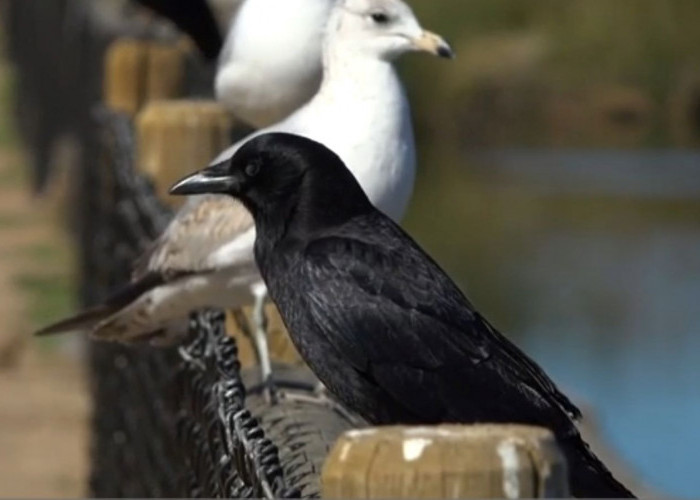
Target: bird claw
x=270 y=391
x=188 y=358
x=257 y=334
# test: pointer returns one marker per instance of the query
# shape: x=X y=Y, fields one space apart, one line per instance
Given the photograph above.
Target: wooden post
x=165 y=75
x=139 y=71
x=176 y=138
x=452 y=461
x=123 y=80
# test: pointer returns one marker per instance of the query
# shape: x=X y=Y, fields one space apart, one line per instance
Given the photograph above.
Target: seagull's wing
x=199 y=238
x=209 y=233
x=202 y=234
x=400 y=320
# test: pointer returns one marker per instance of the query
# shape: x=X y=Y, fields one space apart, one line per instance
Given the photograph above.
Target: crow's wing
x=400 y=320
x=202 y=237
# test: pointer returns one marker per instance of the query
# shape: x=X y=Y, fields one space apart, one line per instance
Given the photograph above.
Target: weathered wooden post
x=452 y=461
x=165 y=75
x=124 y=66
x=139 y=71
x=178 y=137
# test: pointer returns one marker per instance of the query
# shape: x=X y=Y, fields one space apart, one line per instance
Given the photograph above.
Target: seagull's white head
x=384 y=29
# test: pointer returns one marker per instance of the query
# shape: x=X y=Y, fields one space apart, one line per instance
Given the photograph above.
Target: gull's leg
x=261 y=353
x=260 y=341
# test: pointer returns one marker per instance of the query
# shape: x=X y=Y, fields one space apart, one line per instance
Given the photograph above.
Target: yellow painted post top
x=139 y=71
x=175 y=138
x=449 y=461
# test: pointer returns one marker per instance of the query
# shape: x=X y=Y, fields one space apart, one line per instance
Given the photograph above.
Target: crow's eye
x=252 y=169
x=380 y=18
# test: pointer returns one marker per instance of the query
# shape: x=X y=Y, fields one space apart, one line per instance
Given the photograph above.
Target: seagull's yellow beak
x=433 y=44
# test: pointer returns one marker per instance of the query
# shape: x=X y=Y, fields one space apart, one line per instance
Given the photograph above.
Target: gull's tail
x=90 y=318
x=85 y=320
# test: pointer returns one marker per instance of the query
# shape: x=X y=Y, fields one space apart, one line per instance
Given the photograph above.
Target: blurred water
x=614 y=314
x=660 y=174
x=610 y=309
x=639 y=369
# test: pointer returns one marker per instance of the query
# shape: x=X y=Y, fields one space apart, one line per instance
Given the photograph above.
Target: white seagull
x=271 y=61
x=204 y=258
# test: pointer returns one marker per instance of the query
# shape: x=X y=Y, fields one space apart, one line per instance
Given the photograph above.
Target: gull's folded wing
x=202 y=237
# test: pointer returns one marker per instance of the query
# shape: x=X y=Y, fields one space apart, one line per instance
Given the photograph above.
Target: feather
x=94 y=315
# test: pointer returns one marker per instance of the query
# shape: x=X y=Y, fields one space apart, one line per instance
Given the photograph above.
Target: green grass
x=643 y=44
x=49 y=288
x=45 y=252
x=624 y=36
x=12 y=176
x=8 y=136
x=44 y=269
x=14 y=221
x=49 y=296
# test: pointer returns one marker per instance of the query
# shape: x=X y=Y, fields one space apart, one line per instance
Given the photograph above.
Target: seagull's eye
x=380 y=18
x=252 y=169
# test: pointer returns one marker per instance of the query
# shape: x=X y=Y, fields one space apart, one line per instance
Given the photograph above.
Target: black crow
x=193 y=17
x=378 y=321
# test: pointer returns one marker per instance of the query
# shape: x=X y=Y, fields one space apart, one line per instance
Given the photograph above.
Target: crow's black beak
x=215 y=179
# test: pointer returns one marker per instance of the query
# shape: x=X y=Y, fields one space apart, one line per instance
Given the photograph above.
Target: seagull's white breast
x=364 y=117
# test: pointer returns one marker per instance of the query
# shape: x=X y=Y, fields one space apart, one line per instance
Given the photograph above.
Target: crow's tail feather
x=589 y=477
